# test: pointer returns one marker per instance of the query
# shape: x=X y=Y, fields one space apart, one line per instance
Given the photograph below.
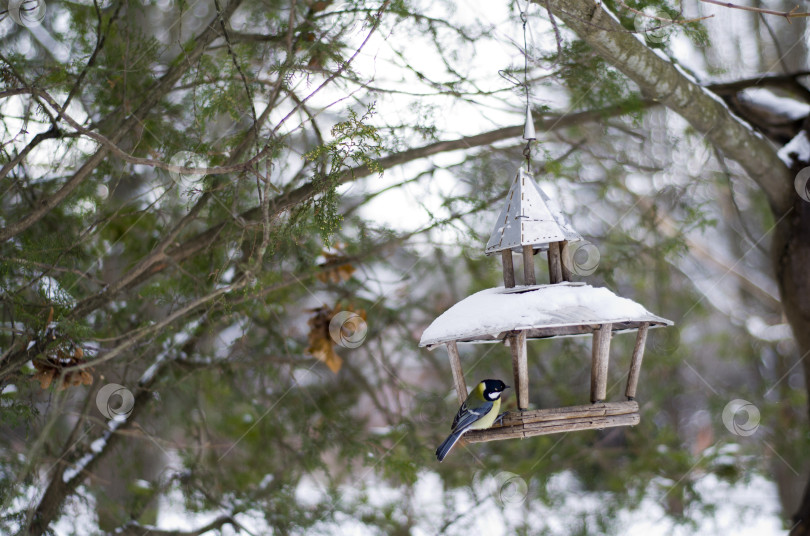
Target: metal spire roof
x=529 y=217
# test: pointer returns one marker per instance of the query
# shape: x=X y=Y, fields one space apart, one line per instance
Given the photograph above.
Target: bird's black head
x=493 y=389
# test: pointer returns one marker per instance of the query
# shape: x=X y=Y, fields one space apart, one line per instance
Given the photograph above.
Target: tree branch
x=788 y=82
x=667 y=83
x=158 y=260
x=792 y=14
x=62 y=485
x=136 y=529
x=158 y=91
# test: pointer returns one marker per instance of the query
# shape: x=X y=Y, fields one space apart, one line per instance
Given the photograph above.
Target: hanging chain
x=527 y=151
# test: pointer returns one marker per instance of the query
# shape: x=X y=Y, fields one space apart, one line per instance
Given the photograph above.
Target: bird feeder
x=530 y=222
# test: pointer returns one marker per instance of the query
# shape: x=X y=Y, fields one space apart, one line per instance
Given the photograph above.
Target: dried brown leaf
x=321 y=345
x=45 y=377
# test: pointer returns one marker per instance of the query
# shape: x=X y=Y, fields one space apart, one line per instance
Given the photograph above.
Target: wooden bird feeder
x=531 y=222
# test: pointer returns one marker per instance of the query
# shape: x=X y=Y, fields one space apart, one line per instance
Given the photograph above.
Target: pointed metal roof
x=529 y=217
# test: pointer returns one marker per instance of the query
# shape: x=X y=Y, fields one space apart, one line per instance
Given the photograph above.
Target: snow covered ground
x=745 y=509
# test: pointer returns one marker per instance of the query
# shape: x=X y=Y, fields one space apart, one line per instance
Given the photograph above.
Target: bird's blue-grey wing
x=466 y=416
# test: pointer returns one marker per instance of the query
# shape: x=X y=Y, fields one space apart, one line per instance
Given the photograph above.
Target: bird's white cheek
x=493 y=396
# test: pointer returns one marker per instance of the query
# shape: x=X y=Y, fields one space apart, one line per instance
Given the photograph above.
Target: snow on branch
x=133 y=528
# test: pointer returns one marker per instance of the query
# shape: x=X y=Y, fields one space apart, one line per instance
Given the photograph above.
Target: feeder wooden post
x=599 y=362
x=555 y=274
x=520 y=368
x=508 y=269
x=635 y=364
x=528 y=265
x=566 y=273
x=458 y=374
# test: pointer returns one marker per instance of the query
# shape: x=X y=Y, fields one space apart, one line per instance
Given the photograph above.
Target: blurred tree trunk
x=789 y=253
x=791 y=258
x=661 y=81
x=792 y=48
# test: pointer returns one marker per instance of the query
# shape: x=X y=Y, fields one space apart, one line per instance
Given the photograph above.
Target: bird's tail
x=448 y=443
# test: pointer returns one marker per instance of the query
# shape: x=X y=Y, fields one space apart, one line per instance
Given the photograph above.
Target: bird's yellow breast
x=487 y=420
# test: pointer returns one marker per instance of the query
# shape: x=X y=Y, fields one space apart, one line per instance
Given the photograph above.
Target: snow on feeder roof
x=543 y=311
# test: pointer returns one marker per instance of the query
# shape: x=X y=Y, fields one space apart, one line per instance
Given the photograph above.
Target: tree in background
x=195 y=196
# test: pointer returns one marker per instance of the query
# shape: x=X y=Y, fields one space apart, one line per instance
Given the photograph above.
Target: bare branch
x=792 y=14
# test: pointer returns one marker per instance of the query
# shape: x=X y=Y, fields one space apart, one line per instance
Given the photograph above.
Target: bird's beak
x=507 y=387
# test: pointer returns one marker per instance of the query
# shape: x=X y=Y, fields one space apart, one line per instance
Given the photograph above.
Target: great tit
x=478 y=412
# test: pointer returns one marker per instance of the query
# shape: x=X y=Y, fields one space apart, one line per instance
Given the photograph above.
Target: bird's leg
x=499 y=419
